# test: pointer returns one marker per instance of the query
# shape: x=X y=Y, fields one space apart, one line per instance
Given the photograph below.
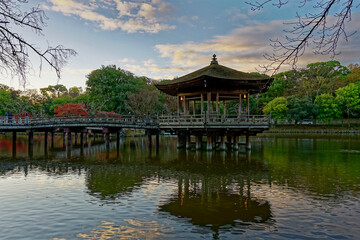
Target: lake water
x=286 y=187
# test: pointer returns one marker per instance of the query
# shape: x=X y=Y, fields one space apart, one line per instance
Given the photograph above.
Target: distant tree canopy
x=324 y=91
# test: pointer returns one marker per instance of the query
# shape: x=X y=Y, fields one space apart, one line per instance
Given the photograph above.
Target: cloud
x=243 y=48
x=150 y=69
x=132 y=16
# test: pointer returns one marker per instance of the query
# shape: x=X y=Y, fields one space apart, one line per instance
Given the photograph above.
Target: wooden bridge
x=213 y=126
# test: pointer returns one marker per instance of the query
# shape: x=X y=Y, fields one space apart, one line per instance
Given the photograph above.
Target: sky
x=163 y=39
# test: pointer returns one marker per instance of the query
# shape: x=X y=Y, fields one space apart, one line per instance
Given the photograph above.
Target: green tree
x=277 y=108
x=146 y=101
x=109 y=88
x=328 y=108
x=75 y=91
x=7 y=102
x=53 y=91
x=301 y=109
x=355 y=73
x=348 y=99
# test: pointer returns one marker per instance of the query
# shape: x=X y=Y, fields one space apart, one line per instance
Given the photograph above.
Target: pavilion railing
x=213 y=119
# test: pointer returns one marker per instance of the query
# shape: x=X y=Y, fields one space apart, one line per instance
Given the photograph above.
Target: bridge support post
x=209 y=145
x=117 y=139
x=149 y=139
x=222 y=143
x=52 y=139
x=76 y=138
x=14 y=144
x=64 y=139
x=198 y=139
x=107 y=139
x=68 y=131
x=157 y=141
x=228 y=140
x=31 y=143
x=248 y=143
x=82 y=140
x=87 y=137
x=46 y=138
x=188 y=141
x=236 y=143
x=69 y=139
x=117 y=144
x=106 y=131
x=181 y=140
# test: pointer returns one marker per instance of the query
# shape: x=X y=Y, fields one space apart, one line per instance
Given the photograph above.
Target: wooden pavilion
x=202 y=96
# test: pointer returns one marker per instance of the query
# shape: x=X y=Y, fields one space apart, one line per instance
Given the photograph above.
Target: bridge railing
x=144 y=120
x=116 y=119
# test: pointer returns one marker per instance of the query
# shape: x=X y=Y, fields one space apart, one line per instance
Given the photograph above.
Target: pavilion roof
x=219 y=75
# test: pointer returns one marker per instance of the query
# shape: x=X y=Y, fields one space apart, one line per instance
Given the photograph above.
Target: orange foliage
x=71 y=109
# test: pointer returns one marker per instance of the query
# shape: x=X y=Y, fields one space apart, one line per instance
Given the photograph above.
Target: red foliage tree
x=71 y=109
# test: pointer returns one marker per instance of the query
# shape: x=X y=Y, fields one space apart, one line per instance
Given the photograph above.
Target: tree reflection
x=110 y=182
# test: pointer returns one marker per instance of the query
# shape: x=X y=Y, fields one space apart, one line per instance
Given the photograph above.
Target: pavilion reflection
x=216 y=201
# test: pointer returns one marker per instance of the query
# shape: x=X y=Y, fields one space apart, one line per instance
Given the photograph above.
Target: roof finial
x=214 y=60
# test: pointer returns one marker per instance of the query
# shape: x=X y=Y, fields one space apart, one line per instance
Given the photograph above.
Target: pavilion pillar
x=240 y=106
x=208 y=103
x=194 y=108
x=217 y=103
x=187 y=106
x=222 y=143
x=202 y=104
x=184 y=105
x=209 y=145
x=248 y=104
x=178 y=105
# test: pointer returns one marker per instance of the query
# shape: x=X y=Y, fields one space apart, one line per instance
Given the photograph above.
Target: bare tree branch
x=320 y=29
x=15 y=49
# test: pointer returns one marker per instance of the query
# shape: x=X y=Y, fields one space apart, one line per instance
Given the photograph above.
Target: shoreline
x=313 y=129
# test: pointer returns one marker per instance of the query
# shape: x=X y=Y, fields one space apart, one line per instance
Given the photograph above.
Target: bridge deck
x=163 y=122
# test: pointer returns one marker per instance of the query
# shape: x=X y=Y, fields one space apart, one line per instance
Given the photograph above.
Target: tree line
x=321 y=91
x=108 y=89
